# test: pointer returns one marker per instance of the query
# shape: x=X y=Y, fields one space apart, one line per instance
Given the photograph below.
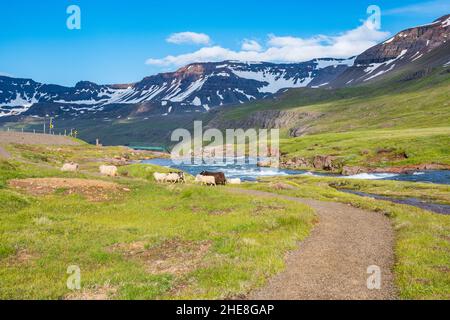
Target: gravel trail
x=332 y=263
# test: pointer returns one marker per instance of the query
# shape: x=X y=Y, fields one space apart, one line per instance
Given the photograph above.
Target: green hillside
x=395 y=103
x=376 y=148
x=396 y=122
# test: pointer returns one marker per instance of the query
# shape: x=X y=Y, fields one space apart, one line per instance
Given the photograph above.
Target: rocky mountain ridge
x=198 y=87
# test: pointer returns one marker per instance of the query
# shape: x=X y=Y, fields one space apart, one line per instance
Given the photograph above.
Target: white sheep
x=205 y=180
x=160 y=177
x=234 y=181
x=108 y=170
x=70 y=167
x=173 y=178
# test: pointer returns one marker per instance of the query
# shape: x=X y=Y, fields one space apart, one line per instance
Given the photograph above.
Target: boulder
x=351 y=171
x=327 y=163
x=268 y=164
x=296 y=163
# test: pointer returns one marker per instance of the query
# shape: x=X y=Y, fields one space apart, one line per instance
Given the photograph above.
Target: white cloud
x=189 y=37
x=435 y=8
x=285 y=48
x=251 y=45
x=5 y=74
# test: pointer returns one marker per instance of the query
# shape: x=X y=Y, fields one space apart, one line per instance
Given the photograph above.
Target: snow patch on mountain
x=446 y=23
x=195 y=86
x=272 y=81
x=324 y=63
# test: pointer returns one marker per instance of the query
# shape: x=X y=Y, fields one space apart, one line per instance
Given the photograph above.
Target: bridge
x=143 y=146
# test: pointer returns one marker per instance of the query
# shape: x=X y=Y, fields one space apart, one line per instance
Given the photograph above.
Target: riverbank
x=369 y=151
x=415 y=202
x=253 y=171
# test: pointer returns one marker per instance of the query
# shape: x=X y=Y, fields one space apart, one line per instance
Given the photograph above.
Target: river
x=251 y=172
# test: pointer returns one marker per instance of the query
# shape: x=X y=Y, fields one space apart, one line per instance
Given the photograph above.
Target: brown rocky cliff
x=422 y=39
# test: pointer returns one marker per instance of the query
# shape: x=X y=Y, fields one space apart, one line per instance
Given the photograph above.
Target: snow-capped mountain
x=404 y=48
x=194 y=88
x=201 y=86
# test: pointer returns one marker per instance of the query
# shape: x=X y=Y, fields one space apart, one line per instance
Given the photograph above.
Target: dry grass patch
x=219 y=212
x=173 y=256
x=281 y=186
x=93 y=190
x=21 y=257
x=104 y=292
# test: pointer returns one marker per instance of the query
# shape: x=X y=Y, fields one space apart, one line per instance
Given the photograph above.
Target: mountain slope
x=194 y=88
x=397 y=52
x=201 y=86
x=401 y=101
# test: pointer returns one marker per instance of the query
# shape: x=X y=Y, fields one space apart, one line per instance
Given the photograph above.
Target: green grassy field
x=202 y=245
x=422 y=249
x=205 y=242
x=375 y=148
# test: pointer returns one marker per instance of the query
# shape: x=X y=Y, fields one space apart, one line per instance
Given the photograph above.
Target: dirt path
x=31 y=138
x=332 y=262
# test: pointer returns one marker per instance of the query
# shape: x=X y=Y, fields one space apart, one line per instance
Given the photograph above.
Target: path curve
x=332 y=262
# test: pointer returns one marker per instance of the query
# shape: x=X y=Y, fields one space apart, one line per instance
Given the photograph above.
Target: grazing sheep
x=205 y=180
x=160 y=177
x=173 y=178
x=234 y=181
x=180 y=175
x=70 y=167
x=108 y=170
x=218 y=176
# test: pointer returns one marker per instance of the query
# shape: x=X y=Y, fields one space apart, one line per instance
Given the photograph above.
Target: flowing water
x=430 y=206
x=251 y=172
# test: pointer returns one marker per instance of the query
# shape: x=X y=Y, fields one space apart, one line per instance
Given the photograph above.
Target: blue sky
x=122 y=42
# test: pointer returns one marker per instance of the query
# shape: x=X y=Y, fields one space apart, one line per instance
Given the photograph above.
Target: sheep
x=160 y=177
x=173 y=178
x=205 y=180
x=70 y=167
x=108 y=170
x=234 y=181
x=180 y=175
x=218 y=176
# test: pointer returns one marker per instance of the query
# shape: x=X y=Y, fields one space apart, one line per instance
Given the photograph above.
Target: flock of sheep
x=204 y=178
x=104 y=170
